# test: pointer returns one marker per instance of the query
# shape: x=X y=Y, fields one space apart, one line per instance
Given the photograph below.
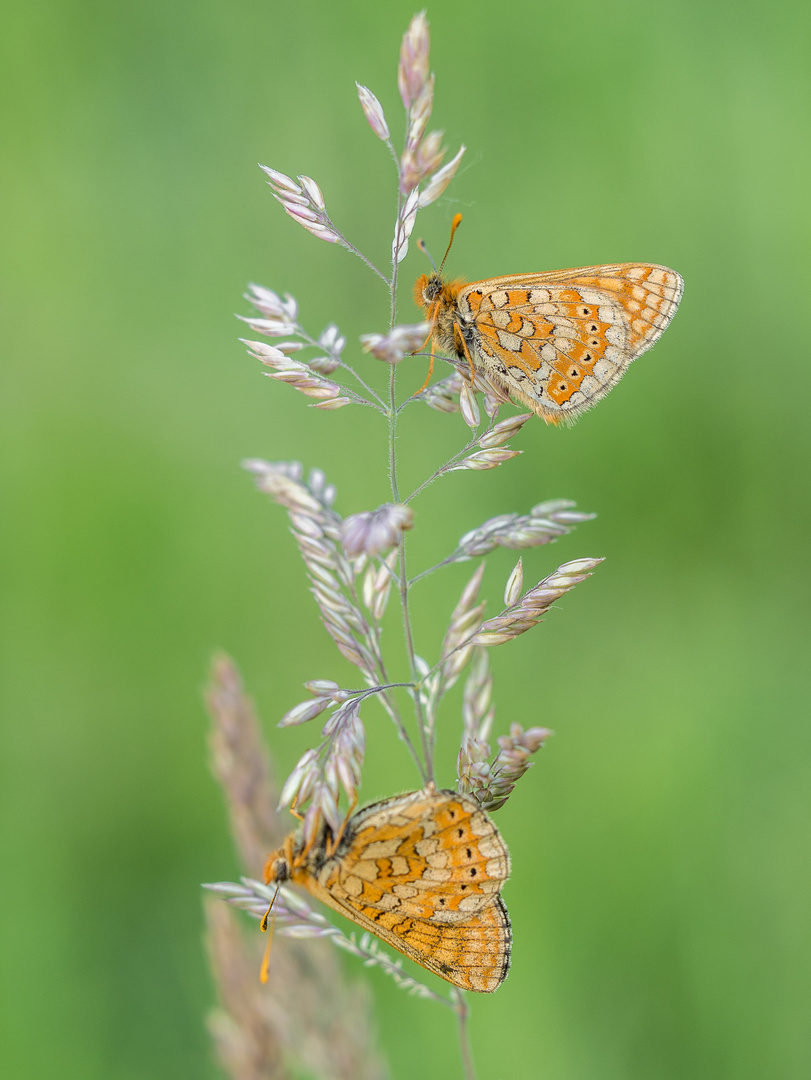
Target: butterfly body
x=555 y=341
x=422 y=871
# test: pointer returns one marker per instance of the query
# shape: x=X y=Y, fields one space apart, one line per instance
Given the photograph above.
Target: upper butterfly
x=557 y=341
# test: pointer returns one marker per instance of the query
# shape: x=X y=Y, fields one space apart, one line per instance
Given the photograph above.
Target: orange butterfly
x=557 y=341
x=423 y=872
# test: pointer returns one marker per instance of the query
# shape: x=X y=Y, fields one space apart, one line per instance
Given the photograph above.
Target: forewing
x=429 y=855
x=560 y=340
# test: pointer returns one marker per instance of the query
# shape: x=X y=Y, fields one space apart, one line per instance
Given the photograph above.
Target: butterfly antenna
x=432 y=314
x=263 y=971
x=457 y=221
x=265 y=968
x=263 y=925
x=427 y=253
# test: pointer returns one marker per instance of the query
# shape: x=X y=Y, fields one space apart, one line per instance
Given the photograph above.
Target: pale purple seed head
x=374 y=531
x=413 y=70
x=373 y=111
x=399 y=342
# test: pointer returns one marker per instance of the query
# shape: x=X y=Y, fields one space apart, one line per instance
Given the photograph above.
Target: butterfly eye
x=280 y=870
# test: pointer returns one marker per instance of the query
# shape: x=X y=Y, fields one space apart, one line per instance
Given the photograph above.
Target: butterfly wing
x=428 y=855
x=473 y=954
x=559 y=341
x=423 y=872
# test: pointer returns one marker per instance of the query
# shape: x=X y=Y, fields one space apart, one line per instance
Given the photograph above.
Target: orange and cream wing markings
x=432 y=856
x=473 y=954
x=421 y=871
x=556 y=341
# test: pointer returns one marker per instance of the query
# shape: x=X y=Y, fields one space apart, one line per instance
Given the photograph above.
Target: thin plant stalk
x=353 y=564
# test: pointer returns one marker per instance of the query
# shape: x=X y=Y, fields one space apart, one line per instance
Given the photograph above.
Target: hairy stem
x=462 y=1013
x=351 y=247
x=425 y=739
x=427 y=770
x=449 y=464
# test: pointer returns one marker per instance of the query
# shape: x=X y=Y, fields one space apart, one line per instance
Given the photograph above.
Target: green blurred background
x=660 y=894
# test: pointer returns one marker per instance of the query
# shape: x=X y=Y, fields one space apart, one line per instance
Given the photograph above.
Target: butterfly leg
x=312 y=838
x=462 y=350
x=431 y=319
x=428 y=376
x=333 y=845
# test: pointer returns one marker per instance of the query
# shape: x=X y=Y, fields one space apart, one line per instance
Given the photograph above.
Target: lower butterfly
x=423 y=872
x=556 y=341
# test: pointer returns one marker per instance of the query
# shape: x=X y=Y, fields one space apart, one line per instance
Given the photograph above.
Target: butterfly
x=422 y=871
x=556 y=341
